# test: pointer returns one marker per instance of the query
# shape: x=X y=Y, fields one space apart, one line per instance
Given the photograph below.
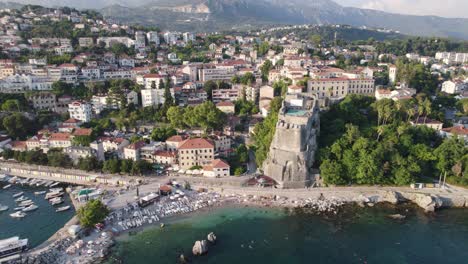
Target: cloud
x=445 y=8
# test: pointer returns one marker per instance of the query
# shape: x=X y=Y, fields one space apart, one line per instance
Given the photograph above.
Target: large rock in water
x=211 y=237
x=390 y=197
x=200 y=248
x=427 y=202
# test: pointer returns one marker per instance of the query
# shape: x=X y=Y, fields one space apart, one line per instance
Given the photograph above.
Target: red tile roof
x=457 y=130
x=218 y=163
x=176 y=138
x=225 y=103
x=59 y=136
x=136 y=145
x=82 y=132
x=196 y=143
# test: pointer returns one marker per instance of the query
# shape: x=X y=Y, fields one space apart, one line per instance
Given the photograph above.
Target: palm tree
x=410 y=113
x=427 y=108
x=380 y=130
x=401 y=130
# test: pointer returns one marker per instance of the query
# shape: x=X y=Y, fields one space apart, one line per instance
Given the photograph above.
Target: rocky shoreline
x=56 y=252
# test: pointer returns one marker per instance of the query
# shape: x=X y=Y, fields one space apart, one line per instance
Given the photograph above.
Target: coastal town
x=130 y=125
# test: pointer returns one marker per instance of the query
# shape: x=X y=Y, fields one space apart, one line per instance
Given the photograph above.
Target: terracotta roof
x=18 y=144
x=136 y=145
x=59 y=136
x=196 y=143
x=176 y=138
x=82 y=132
x=384 y=91
x=217 y=163
x=72 y=121
x=225 y=103
x=152 y=75
x=163 y=153
x=457 y=130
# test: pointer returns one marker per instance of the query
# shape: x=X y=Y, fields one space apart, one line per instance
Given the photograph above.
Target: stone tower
x=292 y=151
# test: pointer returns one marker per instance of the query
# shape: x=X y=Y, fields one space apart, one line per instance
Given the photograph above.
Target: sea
x=267 y=235
x=38 y=225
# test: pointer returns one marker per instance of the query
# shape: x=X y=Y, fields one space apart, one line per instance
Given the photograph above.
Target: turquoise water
x=38 y=225
x=258 y=235
x=296 y=112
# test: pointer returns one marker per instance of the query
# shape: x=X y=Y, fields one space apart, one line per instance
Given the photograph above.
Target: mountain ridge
x=216 y=15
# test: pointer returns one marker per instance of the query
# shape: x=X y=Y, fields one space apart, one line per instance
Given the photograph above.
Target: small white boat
x=19 y=208
x=40 y=192
x=18 y=214
x=56 y=201
x=3 y=208
x=51 y=195
x=55 y=184
x=26 y=203
x=6 y=186
x=63 y=208
x=16 y=195
x=13 y=180
x=59 y=189
x=21 y=199
x=30 y=208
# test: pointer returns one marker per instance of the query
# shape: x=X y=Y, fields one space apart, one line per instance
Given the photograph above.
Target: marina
x=25 y=212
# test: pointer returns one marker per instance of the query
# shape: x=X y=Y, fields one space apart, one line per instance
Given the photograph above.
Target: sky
x=444 y=8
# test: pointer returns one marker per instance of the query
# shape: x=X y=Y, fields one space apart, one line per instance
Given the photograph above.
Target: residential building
x=226 y=106
x=195 y=152
x=454 y=86
x=424 y=121
x=132 y=151
x=217 y=168
x=80 y=110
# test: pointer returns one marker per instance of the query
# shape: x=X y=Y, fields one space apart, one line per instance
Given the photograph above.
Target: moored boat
x=18 y=214
x=21 y=199
x=3 y=208
x=40 y=192
x=30 y=208
x=63 y=208
x=6 y=186
x=26 y=203
x=55 y=201
x=16 y=195
x=51 y=195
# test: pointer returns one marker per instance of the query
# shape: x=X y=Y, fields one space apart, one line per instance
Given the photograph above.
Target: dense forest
x=368 y=142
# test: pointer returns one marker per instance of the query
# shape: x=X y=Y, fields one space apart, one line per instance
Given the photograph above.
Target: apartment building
x=336 y=88
x=196 y=152
x=80 y=110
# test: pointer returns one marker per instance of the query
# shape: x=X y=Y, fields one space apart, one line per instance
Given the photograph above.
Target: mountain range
x=214 y=15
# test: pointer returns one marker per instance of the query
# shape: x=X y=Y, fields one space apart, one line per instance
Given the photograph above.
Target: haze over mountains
x=210 y=15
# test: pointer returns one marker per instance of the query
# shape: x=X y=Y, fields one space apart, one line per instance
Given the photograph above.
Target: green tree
x=92 y=213
x=126 y=166
x=111 y=166
x=175 y=115
x=209 y=86
x=162 y=133
x=11 y=105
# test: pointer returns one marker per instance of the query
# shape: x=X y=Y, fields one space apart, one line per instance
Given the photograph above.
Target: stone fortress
x=292 y=151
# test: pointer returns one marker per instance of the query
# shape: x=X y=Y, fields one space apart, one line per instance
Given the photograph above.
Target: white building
x=454 y=87
x=188 y=36
x=151 y=97
x=109 y=41
x=80 y=110
x=153 y=37
x=392 y=71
